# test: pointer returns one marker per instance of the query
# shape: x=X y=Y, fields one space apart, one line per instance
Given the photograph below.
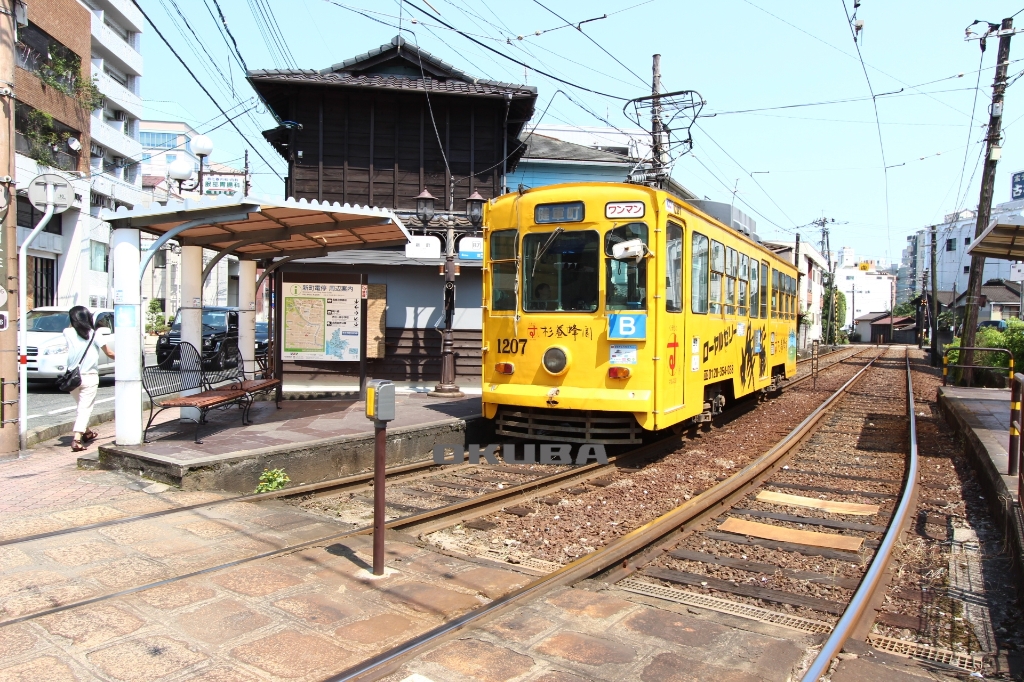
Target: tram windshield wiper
x=541 y=250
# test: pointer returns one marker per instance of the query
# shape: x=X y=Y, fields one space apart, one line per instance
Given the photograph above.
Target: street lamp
x=475 y=209
x=181 y=170
x=425 y=207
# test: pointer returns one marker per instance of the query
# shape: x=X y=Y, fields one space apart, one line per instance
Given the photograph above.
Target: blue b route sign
x=1017 y=189
x=627 y=326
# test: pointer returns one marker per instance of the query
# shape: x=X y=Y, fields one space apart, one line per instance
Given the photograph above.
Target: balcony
x=118 y=190
x=113 y=47
x=44 y=241
x=124 y=13
x=114 y=140
x=117 y=93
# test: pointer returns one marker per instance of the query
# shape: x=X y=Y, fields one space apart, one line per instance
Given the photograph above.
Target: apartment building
x=953 y=236
x=866 y=289
x=76 y=111
x=164 y=142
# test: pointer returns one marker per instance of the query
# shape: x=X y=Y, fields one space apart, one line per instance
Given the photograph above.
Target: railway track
x=512 y=478
x=792 y=520
x=538 y=481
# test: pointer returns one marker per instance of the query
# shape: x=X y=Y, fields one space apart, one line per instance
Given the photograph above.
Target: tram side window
x=744 y=275
x=503 y=270
x=699 y=274
x=717 y=276
x=732 y=267
x=560 y=271
x=753 y=287
x=674 y=269
x=764 y=291
x=790 y=299
x=626 y=281
x=775 y=293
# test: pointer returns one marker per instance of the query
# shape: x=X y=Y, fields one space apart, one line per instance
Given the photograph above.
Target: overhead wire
x=203 y=87
x=874 y=104
x=970 y=128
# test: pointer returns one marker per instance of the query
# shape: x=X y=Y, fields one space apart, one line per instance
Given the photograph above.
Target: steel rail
x=613 y=553
x=858 y=606
x=342 y=482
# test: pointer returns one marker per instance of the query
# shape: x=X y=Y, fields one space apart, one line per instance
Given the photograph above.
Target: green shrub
x=271 y=480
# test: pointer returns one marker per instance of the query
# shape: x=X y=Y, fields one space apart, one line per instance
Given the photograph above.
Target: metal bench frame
x=190 y=376
x=233 y=378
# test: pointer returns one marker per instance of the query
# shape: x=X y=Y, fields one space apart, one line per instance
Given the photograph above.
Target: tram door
x=671 y=331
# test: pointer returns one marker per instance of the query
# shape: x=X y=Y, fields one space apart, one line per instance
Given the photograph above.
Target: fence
x=946 y=366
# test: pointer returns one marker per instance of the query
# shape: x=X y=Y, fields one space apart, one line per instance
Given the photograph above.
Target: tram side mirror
x=632 y=249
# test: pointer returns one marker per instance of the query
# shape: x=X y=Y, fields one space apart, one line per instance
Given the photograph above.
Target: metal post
x=9 y=223
x=447 y=388
x=380 y=440
x=988 y=179
x=945 y=368
x=1015 y=388
x=128 y=328
x=23 y=321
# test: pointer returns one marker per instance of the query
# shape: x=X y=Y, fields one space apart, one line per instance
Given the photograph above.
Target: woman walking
x=83 y=340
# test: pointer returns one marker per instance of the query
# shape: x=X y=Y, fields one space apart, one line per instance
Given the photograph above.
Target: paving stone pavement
x=577 y=634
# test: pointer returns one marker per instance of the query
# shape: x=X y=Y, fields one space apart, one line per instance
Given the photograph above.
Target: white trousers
x=85 y=396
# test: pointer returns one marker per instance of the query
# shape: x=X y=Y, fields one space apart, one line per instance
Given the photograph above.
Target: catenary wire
x=203 y=87
x=970 y=129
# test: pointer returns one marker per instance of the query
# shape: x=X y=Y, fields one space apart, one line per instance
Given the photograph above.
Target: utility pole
x=799 y=296
x=246 y=184
x=988 y=179
x=8 y=238
x=657 y=129
x=935 y=300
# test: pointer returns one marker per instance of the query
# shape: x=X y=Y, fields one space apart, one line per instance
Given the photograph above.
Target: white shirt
x=77 y=345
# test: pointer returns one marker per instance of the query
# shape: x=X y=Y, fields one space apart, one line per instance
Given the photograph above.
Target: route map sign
x=321 y=322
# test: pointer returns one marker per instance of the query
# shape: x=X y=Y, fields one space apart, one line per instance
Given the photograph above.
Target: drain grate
x=723 y=606
x=923 y=652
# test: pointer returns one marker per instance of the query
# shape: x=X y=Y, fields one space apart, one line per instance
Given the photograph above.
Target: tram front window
x=560 y=271
x=626 y=282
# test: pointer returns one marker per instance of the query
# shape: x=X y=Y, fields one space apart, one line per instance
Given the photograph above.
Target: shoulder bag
x=72 y=377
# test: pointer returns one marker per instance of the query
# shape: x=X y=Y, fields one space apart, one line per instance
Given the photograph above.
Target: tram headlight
x=556 y=360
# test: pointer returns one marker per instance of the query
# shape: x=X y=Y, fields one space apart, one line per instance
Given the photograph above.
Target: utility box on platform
x=380 y=400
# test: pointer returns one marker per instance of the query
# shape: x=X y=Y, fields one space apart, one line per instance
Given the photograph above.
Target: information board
x=321 y=321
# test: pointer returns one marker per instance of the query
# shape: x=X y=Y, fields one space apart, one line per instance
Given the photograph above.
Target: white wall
x=865 y=291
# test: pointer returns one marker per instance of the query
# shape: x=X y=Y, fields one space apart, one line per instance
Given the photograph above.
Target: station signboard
x=321 y=321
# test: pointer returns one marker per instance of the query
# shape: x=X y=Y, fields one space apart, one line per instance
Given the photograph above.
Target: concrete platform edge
x=308 y=462
x=44 y=433
x=1000 y=499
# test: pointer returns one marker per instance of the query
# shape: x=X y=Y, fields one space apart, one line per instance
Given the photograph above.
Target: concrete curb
x=44 y=433
x=986 y=462
x=306 y=462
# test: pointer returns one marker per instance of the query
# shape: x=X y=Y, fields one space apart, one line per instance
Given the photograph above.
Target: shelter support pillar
x=192 y=307
x=247 y=313
x=127 y=337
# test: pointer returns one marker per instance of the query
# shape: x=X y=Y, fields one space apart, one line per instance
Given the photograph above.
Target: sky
x=788 y=166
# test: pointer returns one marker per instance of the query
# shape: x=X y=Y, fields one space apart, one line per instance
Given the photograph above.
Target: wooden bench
x=189 y=376
x=233 y=378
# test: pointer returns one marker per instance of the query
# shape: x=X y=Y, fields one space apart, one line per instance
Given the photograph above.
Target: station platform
x=312 y=440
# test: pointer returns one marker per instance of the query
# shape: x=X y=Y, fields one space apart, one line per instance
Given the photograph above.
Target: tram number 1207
x=512 y=346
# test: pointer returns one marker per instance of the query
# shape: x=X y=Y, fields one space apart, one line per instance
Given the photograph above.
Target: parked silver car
x=48 y=349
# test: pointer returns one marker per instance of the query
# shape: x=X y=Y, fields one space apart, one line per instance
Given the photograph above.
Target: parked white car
x=47 y=347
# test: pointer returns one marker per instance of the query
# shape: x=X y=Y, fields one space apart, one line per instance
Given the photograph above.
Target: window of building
x=699 y=274
x=146 y=158
x=160 y=259
x=674 y=269
x=717 y=277
x=967 y=241
x=29 y=216
x=158 y=140
x=950 y=245
x=967 y=269
x=849 y=277
x=98 y=256
x=170 y=158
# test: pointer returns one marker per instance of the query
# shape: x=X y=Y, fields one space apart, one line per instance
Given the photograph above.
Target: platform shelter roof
x=1004 y=239
x=256 y=228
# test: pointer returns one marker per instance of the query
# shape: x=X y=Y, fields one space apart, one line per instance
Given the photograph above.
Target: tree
x=905 y=309
x=155 y=317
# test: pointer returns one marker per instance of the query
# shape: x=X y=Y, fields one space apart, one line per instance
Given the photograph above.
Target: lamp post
x=447 y=388
x=181 y=170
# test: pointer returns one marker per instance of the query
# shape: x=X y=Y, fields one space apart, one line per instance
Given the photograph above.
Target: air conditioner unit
x=119 y=116
x=118 y=161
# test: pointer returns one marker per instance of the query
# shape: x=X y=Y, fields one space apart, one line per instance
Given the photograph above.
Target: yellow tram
x=614 y=309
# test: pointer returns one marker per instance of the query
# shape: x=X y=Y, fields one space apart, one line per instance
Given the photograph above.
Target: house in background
x=1000 y=300
x=813 y=274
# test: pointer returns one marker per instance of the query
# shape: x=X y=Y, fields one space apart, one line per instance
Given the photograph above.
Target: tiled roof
x=457 y=87
x=548 y=148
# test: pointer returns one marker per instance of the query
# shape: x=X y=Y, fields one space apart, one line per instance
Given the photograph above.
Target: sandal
x=89 y=435
x=77 y=446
